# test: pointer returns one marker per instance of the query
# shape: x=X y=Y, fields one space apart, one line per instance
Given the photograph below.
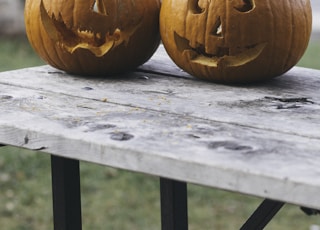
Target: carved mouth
x=72 y=39
x=222 y=57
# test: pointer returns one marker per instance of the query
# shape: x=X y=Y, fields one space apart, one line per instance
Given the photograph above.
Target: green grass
x=112 y=198
x=15 y=52
x=311 y=58
x=117 y=199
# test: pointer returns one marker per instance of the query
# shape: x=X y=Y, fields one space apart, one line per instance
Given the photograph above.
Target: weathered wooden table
x=259 y=139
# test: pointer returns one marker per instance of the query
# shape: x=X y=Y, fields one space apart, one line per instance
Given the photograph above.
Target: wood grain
x=261 y=139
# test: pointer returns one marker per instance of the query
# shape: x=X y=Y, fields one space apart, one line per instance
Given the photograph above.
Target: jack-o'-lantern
x=93 y=37
x=234 y=41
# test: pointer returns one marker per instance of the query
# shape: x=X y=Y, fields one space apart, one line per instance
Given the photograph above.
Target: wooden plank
x=260 y=139
x=263 y=162
x=288 y=104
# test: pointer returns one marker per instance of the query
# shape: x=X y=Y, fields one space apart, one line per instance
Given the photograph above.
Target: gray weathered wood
x=260 y=139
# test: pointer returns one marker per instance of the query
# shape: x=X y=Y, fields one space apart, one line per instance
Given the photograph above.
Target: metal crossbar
x=263 y=215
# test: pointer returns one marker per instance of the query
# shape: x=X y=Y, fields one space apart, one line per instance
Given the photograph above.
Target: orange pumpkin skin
x=235 y=41
x=93 y=37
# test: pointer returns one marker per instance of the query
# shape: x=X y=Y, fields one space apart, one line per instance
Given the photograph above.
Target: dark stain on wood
x=26 y=139
x=229 y=145
x=5 y=97
x=121 y=136
x=87 y=88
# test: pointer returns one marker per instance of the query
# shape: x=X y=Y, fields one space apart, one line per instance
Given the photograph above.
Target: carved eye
x=245 y=5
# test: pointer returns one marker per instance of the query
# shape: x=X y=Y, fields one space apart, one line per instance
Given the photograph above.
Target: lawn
x=112 y=198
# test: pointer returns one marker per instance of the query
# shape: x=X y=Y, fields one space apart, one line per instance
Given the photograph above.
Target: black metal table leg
x=66 y=193
x=174 y=205
x=263 y=215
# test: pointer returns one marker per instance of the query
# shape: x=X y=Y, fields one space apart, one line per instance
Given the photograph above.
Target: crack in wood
x=96 y=127
x=229 y=145
x=26 y=140
x=291 y=99
x=166 y=92
x=40 y=148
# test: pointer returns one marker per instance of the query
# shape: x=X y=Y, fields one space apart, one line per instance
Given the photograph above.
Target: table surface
x=258 y=139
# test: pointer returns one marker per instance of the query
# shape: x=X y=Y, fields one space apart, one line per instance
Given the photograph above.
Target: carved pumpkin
x=93 y=36
x=235 y=41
